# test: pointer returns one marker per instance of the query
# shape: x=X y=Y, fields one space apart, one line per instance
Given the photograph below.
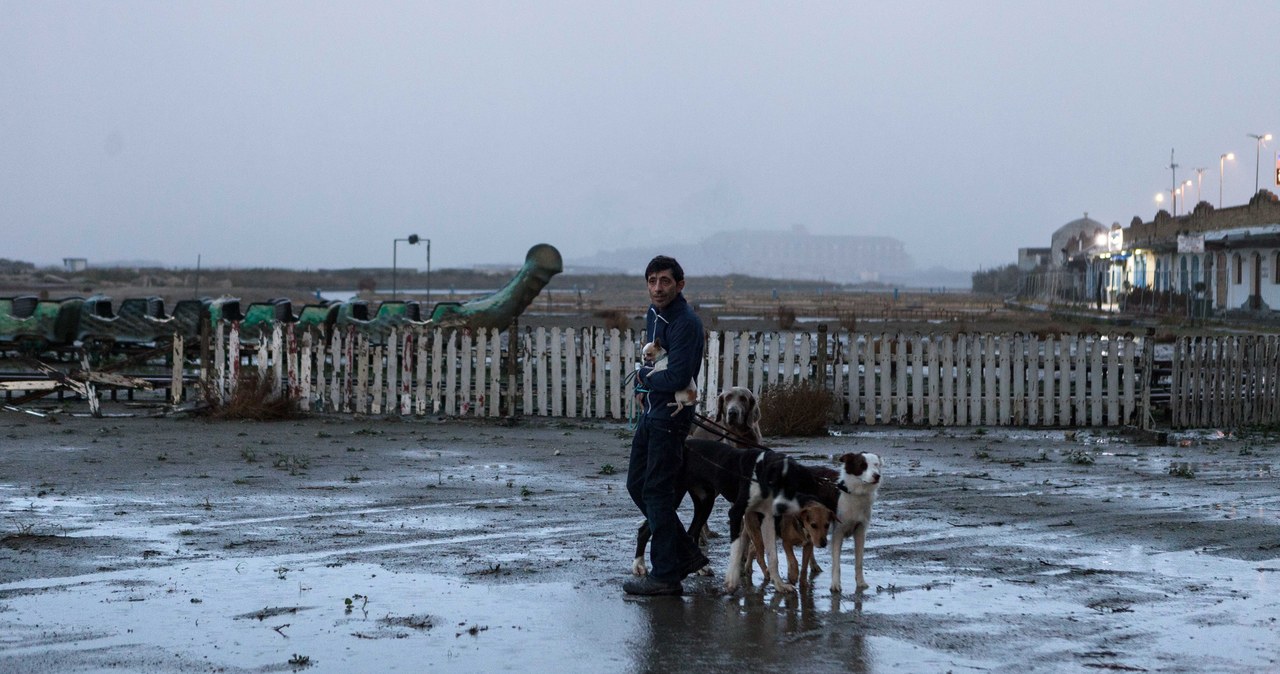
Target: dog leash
x=633 y=419
x=722 y=432
x=725 y=433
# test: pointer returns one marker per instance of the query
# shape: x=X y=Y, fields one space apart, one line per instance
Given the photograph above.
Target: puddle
x=263 y=613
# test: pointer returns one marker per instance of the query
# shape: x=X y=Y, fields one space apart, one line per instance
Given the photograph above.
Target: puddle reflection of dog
x=859 y=483
x=652 y=353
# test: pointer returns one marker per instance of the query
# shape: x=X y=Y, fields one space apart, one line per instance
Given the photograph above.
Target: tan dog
x=653 y=352
x=807 y=529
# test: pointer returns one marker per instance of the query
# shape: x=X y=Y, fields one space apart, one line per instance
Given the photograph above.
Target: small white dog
x=655 y=354
x=859 y=483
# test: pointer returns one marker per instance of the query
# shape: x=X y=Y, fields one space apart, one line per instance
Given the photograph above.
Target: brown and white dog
x=737 y=414
x=859 y=483
x=653 y=352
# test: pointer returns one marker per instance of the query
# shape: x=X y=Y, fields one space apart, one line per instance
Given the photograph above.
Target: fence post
x=1148 y=361
x=822 y=355
x=175 y=387
x=513 y=335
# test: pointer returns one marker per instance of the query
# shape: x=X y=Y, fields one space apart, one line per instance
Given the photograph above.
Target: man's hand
x=643 y=373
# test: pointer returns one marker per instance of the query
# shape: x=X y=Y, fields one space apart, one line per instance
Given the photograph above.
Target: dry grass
x=796 y=410
x=786 y=316
x=614 y=318
x=252 y=400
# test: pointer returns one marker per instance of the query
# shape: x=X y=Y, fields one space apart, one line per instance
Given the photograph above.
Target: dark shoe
x=648 y=586
x=693 y=565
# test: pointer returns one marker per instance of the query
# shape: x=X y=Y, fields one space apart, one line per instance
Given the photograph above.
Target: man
x=657 y=450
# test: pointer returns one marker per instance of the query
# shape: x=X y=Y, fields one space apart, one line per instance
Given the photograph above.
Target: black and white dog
x=753 y=481
x=778 y=486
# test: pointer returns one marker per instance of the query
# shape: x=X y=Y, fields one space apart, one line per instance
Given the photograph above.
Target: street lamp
x=1199 y=183
x=1261 y=138
x=413 y=239
x=1186 y=190
x=1222 y=160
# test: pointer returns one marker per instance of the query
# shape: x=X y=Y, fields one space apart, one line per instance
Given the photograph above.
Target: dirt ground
x=132 y=543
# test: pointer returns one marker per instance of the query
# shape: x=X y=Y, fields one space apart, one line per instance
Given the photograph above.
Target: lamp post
x=1186 y=192
x=1173 y=197
x=1222 y=160
x=1199 y=183
x=1261 y=138
x=412 y=239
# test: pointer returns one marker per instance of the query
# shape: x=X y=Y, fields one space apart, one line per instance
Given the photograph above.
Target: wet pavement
x=370 y=545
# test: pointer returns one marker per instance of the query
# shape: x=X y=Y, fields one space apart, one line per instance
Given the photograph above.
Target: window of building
x=1238 y=264
x=1275 y=267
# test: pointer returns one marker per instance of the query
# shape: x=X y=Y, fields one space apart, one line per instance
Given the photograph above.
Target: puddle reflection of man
x=657 y=449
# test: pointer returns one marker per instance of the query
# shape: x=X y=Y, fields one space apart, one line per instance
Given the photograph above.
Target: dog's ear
x=656 y=344
x=721 y=401
x=854 y=463
x=753 y=409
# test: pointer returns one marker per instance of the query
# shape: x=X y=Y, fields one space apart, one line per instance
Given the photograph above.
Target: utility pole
x=1173 y=181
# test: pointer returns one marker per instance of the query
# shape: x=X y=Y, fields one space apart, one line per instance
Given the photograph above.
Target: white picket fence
x=936 y=380
x=1225 y=381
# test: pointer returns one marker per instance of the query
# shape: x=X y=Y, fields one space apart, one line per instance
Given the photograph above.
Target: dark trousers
x=653 y=476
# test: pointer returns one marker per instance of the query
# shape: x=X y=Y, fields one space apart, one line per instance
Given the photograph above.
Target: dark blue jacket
x=679 y=331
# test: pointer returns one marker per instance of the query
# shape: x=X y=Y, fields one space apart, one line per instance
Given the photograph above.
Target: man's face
x=663 y=288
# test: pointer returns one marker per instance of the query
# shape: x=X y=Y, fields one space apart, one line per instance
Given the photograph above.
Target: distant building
x=1031 y=258
x=1078 y=238
x=74 y=264
x=783 y=254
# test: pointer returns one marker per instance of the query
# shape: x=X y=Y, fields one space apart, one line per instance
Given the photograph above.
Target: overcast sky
x=312 y=134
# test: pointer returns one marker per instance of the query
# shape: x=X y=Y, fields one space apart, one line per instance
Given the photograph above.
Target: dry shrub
x=786 y=317
x=796 y=409
x=849 y=320
x=252 y=400
x=614 y=318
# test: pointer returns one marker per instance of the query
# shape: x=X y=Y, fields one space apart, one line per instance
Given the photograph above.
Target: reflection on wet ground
x=257 y=613
x=263 y=612
x=993 y=551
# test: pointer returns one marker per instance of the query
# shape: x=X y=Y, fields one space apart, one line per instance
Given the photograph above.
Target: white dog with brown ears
x=858 y=484
x=655 y=354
